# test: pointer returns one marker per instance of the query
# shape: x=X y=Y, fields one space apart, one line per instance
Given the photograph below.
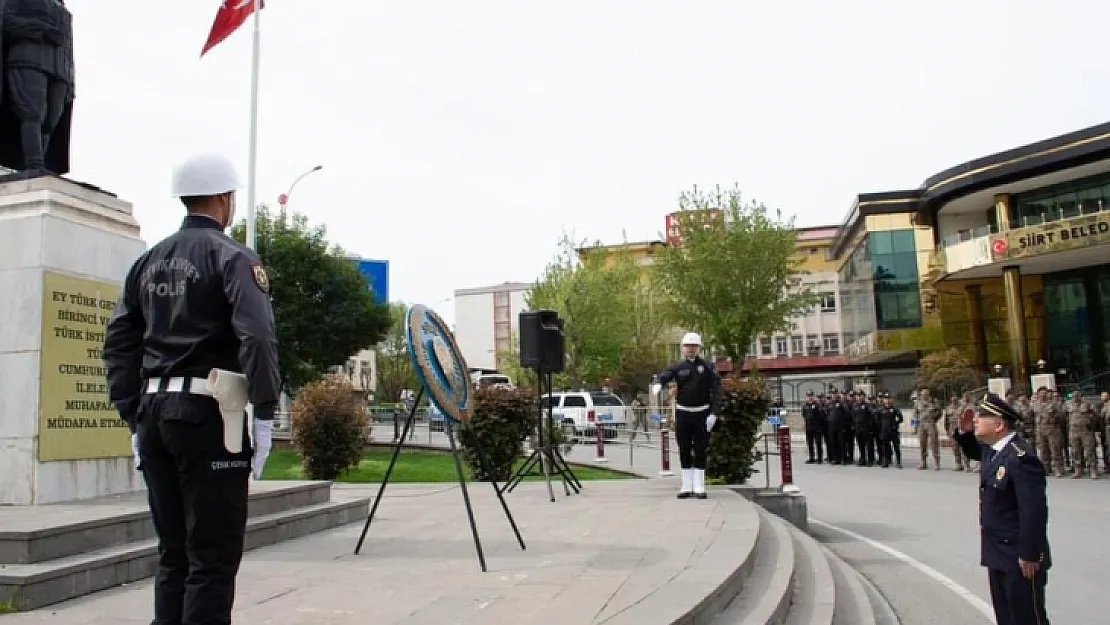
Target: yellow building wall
x=960 y=328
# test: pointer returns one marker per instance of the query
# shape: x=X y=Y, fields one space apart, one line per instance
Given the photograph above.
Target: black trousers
x=692 y=438
x=198 y=500
x=890 y=447
x=836 y=448
x=1016 y=600
x=847 y=444
x=866 y=447
x=815 y=444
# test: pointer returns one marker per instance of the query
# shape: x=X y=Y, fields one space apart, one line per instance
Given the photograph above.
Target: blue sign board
x=774 y=420
x=377 y=274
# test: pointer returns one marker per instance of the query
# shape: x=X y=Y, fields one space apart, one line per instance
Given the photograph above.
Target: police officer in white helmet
x=697 y=402
x=194 y=302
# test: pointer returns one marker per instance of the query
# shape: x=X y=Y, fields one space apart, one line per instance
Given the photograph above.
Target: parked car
x=582 y=412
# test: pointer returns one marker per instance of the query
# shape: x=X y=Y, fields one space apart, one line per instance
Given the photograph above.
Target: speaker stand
x=546 y=454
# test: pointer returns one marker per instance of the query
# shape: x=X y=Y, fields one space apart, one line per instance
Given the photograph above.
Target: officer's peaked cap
x=204 y=175
x=994 y=406
x=691 y=338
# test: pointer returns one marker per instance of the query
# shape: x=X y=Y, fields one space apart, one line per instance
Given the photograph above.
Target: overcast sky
x=460 y=139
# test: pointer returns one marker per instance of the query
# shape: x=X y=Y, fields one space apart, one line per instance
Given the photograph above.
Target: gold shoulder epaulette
x=1020 y=452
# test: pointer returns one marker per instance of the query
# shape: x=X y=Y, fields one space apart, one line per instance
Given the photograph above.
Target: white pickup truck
x=584 y=411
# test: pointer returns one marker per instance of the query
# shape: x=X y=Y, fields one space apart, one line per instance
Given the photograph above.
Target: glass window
x=813 y=344
x=831 y=344
x=765 y=346
x=905 y=266
x=902 y=241
x=606 y=399
x=879 y=243
x=780 y=346
x=502 y=299
x=574 y=401
x=828 y=302
x=797 y=345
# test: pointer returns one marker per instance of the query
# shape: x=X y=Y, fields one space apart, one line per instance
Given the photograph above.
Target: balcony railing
x=966 y=254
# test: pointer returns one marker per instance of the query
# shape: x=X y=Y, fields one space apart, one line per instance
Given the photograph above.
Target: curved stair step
x=814 y=599
x=766 y=594
x=884 y=612
x=852 y=604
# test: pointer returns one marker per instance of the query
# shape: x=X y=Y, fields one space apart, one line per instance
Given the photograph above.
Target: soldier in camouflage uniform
x=928 y=413
x=1082 y=424
x=1049 y=432
x=1027 y=427
x=952 y=428
x=1062 y=413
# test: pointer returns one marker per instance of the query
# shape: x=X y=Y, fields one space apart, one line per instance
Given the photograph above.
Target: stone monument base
x=65 y=249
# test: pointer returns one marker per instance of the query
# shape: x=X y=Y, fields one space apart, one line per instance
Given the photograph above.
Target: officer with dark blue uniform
x=1013 y=513
x=194 y=302
x=863 y=425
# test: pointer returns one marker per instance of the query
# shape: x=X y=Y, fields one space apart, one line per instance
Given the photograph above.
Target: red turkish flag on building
x=229 y=18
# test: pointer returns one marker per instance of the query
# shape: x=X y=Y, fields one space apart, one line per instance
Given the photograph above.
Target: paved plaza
x=621 y=552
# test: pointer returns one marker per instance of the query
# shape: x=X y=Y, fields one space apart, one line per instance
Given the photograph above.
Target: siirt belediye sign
x=1054 y=237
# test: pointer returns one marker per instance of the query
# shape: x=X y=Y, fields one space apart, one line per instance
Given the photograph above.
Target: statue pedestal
x=64 y=252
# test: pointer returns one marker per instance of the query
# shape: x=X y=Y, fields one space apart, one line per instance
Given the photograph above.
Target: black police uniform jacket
x=1013 y=506
x=839 y=417
x=890 y=419
x=193 y=302
x=698 y=383
x=862 y=420
x=815 y=418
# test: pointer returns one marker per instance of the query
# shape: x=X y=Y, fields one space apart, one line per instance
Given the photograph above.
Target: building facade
x=487 y=322
x=1003 y=257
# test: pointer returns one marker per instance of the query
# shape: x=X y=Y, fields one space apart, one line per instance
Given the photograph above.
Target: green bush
x=330 y=427
x=501 y=420
x=732 y=442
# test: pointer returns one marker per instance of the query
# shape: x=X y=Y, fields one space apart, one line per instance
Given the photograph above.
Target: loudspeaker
x=542 y=345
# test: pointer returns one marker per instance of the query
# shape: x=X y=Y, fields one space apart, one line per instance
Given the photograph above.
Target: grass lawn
x=412 y=466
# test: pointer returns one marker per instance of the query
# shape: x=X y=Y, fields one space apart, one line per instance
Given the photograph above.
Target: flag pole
x=252 y=159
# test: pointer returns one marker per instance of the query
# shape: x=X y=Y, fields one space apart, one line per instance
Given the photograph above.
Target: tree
x=947 y=373
x=735 y=275
x=611 y=323
x=323 y=306
x=395 y=372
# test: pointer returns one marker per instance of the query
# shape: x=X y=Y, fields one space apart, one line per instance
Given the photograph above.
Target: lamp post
x=283 y=199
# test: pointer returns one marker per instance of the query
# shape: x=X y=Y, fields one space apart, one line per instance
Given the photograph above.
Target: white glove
x=263 y=434
x=710 y=421
x=135 y=451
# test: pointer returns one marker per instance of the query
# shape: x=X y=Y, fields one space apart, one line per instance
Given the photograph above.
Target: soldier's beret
x=994 y=406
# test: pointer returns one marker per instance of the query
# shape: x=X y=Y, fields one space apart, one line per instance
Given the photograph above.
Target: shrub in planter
x=330 y=427
x=501 y=420
x=732 y=442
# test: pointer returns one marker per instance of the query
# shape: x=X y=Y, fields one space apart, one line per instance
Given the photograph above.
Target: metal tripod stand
x=546 y=454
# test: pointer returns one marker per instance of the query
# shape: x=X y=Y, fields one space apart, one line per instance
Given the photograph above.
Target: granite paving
x=623 y=551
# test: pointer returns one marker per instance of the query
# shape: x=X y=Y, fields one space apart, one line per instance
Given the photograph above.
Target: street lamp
x=283 y=199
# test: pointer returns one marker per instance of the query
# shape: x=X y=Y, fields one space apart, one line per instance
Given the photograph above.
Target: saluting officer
x=194 y=302
x=1013 y=513
x=696 y=405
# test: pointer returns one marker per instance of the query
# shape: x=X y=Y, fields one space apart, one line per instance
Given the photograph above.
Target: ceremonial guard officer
x=838 y=420
x=864 y=426
x=1013 y=513
x=817 y=424
x=696 y=405
x=195 y=302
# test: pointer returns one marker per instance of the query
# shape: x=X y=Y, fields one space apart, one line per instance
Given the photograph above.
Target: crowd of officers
x=851 y=427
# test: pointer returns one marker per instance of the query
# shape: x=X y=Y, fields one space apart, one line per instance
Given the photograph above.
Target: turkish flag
x=229 y=18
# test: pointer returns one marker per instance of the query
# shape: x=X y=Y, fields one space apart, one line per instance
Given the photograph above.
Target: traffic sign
x=774 y=420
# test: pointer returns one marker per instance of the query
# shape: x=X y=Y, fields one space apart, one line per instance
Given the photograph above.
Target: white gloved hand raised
x=263 y=435
x=135 y=451
x=710 y=421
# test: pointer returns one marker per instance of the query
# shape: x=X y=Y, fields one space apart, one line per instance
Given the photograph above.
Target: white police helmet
x=691 y=338
x=204 y=175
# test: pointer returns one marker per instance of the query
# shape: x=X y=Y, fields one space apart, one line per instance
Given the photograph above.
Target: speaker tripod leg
x=449 y=428
x=565 y=467
x=487 y=467
x=389 y=471
x=522 y=472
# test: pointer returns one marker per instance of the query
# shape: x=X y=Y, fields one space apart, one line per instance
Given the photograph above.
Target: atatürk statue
x=37 y=91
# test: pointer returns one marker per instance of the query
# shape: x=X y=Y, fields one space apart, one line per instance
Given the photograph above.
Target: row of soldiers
x=1062 y=429
x=1068 y=433
x=853 y=427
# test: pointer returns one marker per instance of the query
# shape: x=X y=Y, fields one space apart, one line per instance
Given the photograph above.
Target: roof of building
x=496 y=288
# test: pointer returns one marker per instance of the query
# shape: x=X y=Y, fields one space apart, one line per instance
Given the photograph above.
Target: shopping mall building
x=1004 y=257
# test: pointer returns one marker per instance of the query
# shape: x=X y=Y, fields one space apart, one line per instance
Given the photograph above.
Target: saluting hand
x=1028 y=569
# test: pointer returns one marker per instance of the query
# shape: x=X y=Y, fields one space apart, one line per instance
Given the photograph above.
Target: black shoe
x=810 y=461
x=701 y=495
x=685 y=495
x=820 y=462
x=861 y=464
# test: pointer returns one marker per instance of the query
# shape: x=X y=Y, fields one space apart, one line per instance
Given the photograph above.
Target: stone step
x=853 y=607
x=32 y=586
x=814 y=598
x=34 y=534
x=767 y=592
x=883 y=611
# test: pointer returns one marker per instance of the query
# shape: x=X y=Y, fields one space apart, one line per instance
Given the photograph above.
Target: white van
x=584 y=411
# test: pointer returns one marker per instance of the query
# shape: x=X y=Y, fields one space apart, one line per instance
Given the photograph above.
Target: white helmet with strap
x=205 y=175
x=691 y=338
